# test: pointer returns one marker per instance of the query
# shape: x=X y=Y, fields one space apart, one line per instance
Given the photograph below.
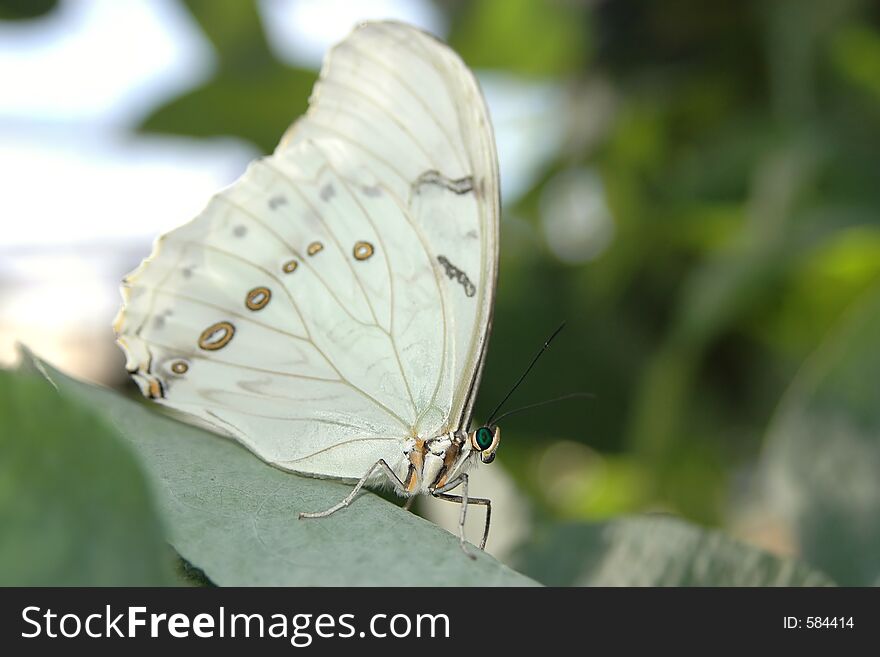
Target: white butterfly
x=331 y=309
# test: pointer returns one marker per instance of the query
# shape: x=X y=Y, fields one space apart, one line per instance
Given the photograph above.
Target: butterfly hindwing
x=336 y=300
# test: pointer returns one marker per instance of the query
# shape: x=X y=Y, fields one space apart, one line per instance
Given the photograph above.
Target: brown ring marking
x=315 y=247
x=258 y=298
x=228 y=331
x=363 y=250
x=179 y=367
x=290 y=266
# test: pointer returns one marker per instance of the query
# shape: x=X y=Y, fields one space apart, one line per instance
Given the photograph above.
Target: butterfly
x=331 y=309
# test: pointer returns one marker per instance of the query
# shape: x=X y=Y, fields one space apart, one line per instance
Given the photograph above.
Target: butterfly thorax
x=432 y=463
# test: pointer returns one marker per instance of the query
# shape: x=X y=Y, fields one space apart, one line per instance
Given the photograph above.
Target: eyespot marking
x=179 y=367
x=315 y=247
x=327 y=192
x=258 y=298
x=216 y=336
x=290 y=266
x=363 y=250
x=239 y=231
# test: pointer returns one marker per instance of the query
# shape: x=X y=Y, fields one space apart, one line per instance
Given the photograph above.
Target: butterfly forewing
x=336 y=300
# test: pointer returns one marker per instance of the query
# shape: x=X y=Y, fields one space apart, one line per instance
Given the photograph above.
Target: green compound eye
x=484 y=438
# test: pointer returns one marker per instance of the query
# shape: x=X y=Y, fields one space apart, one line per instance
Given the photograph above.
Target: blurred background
x=693 y=187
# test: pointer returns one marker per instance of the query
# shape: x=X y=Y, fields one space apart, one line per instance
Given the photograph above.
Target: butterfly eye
x=485 y=441
x=484 y=438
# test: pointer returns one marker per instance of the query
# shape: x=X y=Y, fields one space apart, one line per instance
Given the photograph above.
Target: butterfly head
x=485 y=441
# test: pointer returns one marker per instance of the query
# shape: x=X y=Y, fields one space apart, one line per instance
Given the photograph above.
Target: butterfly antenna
x=525 y=374
x=572 y=395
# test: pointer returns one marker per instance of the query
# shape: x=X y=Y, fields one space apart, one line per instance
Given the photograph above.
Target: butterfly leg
x=465 y=500
x=380 y=466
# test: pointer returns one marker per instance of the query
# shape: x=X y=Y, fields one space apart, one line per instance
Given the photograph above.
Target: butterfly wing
x=336 y=300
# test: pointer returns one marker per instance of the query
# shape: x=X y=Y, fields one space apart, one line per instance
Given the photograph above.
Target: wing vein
x=200 y=302
x=295 y=252
x=212 y=359
x=423 y=242
x=344 y=137
x=393 y=74
x=385 y=254
x=337 y=107
x=335 y=445
x=329 y=361
x=289 y=181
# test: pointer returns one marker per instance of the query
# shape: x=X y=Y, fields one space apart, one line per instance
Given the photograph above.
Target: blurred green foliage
x=739 y=166
x=738 y=145
x=11 y=10
x=822 y=459
x=653 y=551
x=251 y=95
x=499 y=34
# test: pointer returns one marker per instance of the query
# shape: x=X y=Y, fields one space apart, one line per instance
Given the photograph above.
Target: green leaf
x=655 y=551
x=74 y=508
x=822 y=463
x=235 y=518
